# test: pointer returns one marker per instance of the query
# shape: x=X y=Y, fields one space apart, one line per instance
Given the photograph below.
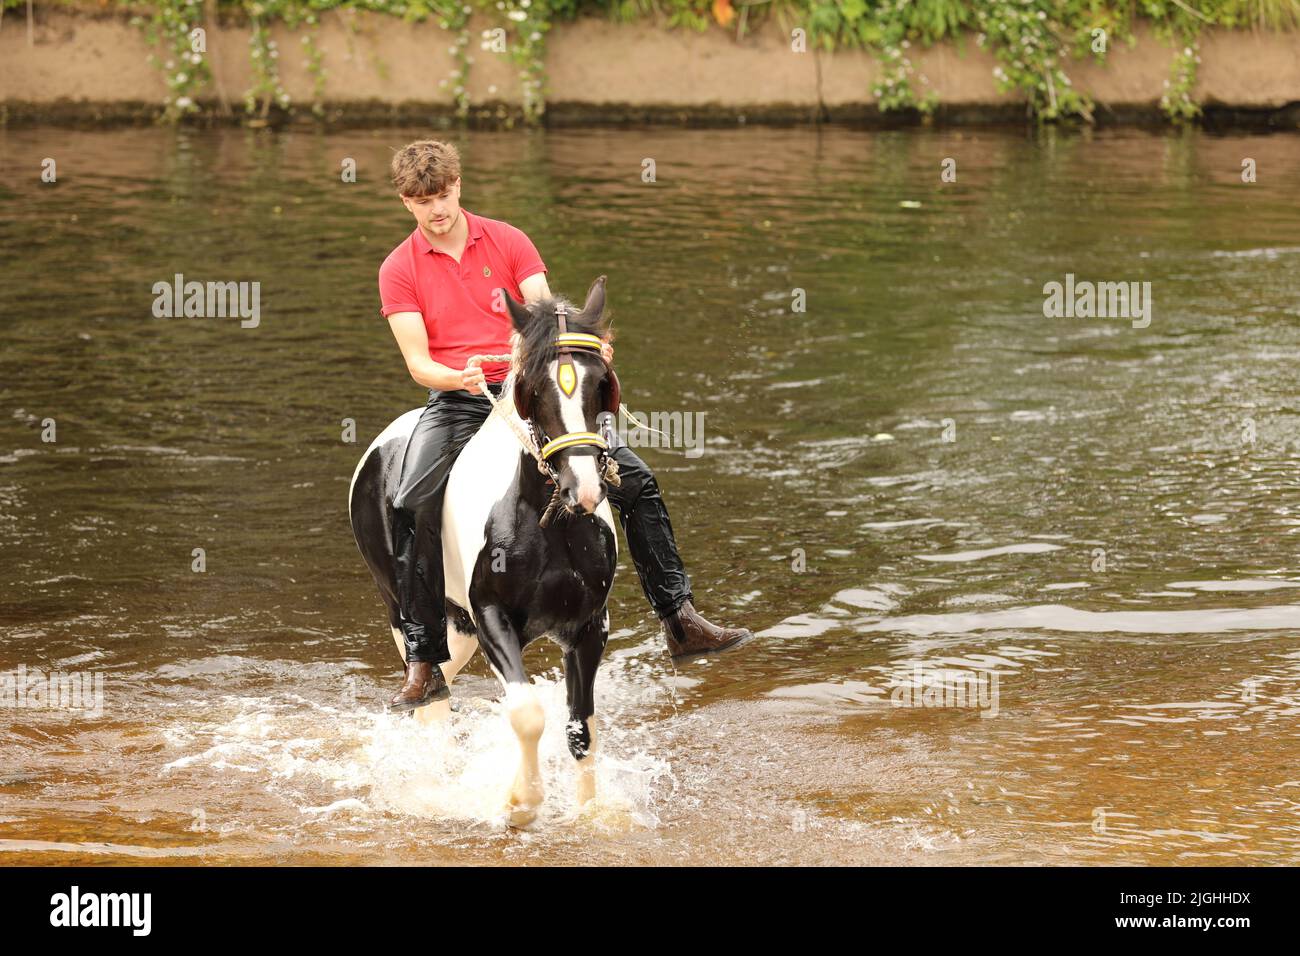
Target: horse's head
x=562 y=383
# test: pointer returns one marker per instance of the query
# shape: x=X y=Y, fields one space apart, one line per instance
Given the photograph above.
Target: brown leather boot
x=689 y=633
x=424 y=684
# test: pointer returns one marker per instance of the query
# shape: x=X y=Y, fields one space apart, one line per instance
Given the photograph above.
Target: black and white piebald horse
x=512 y=577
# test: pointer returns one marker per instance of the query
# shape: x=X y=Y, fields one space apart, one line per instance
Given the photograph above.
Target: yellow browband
x=578 y=340
x=572 y=440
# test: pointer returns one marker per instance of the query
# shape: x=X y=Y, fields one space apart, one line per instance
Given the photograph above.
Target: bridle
x=566 y=377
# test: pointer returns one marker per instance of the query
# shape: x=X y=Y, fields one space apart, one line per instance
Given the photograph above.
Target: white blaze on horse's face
x=578 y=474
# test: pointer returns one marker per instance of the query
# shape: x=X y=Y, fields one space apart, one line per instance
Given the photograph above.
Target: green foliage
x=1033 y=41
x=453 y=16
x=1177 y=100
x=1025 y=38
x=1268 y=14
x=530 y=21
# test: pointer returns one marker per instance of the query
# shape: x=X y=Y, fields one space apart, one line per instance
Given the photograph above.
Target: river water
x=917 y=486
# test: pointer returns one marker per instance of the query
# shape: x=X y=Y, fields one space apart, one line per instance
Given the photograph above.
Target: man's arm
x=397 y=293
x=534 y=288
x=413 y=340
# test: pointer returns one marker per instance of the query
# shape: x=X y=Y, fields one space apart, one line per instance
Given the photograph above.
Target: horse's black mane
x=538 y=339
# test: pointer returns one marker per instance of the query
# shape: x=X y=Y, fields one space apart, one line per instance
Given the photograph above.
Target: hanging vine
x=455 y=19
x=1024 y=36
x=528 y=21
x=172 y=26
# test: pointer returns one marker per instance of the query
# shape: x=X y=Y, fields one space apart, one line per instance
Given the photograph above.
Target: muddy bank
x=91 y=67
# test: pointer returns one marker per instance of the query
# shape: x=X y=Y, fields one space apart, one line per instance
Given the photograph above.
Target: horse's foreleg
x=504 y=651
x=586 y=788
x=528 y=720
x=580 y=666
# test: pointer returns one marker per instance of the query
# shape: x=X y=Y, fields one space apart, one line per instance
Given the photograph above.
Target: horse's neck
x=534 y=489
x=500 y=471
x=532 y=484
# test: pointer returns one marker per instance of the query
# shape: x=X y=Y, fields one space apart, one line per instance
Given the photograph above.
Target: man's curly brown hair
x=425 y=168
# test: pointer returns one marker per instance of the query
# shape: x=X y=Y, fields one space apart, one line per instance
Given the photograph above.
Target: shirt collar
x=471 y=220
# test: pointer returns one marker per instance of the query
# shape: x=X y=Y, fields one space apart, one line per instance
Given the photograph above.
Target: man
x=437 y=293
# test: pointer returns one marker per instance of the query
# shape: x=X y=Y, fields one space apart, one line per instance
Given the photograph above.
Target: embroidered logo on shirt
x=487 y=271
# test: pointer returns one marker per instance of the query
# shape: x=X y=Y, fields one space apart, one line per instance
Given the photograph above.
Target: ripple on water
x=1059 y=617
x=1034 y=547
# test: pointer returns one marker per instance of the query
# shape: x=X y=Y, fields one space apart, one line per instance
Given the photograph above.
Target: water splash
x=349 y=765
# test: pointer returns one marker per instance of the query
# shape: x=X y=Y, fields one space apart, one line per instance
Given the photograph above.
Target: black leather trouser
x=449 y=421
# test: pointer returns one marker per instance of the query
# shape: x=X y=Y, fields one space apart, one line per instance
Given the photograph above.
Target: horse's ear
x=523 y=407
x=595 y=304
x=520 y=317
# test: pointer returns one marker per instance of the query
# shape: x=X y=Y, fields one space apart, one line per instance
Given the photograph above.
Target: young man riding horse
x=437 y=290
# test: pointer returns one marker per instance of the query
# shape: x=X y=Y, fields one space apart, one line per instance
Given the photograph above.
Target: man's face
x=436 y=215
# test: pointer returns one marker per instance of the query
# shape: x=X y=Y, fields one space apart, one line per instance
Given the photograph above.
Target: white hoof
x=586 y=783
x=520 y=817
x=587 y=768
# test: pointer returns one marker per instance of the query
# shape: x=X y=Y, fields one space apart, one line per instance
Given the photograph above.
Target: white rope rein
x=499 y=407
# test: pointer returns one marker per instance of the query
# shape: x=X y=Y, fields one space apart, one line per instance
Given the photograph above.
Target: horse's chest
x=554 y=579
x=578 y=565
x=495 y=553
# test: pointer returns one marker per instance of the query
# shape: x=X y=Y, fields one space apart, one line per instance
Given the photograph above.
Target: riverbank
x=92 y=67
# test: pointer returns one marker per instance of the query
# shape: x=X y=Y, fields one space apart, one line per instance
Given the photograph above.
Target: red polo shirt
x=455 y=298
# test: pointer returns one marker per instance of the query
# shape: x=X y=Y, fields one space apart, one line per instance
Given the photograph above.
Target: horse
x=512 y=573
